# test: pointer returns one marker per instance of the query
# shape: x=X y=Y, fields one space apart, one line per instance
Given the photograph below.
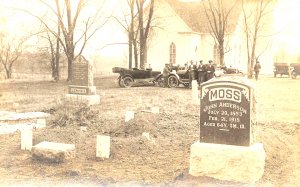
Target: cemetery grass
x=162 y=160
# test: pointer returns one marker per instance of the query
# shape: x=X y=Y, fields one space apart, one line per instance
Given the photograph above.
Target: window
x=172 y=53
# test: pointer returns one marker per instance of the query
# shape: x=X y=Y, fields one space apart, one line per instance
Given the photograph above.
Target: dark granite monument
x=226 y=112
x=82 y=77
x=226 y=149
x=82 y=85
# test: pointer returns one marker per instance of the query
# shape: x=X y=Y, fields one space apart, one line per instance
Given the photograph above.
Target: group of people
x=200 y=72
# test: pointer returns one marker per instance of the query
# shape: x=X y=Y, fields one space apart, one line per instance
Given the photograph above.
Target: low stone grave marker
x=226 y=149
x=14 y=116
x=82 y=87
x=12 y=128
x=53 y=151
x=103 y=146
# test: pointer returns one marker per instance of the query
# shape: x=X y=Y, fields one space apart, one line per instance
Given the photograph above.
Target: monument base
x=82 y=90
x=227 y=162
x=86 y=99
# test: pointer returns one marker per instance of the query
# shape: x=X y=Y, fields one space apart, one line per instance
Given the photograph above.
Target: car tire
x=160 y=81
x=294 y=75
x=121 y=82
x=173 y=81
x=127 y=82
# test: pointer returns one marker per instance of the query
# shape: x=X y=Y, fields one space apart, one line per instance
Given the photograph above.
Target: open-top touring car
x=128 y=77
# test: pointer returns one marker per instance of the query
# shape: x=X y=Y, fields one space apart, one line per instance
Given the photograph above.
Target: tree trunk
x=130 y=50
x=142 y=56
x=136 y=59
x=57 y=55
x=8 y=73
x=145 y=54
x=70 y=63
x=221 y=52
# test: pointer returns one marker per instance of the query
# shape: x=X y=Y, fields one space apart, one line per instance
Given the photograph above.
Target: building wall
x=167 y=30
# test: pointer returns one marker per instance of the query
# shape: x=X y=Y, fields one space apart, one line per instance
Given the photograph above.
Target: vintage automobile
x=295 y=70
x=231 y=70
x=180 y=75
x=281 y=69
x=128 y=77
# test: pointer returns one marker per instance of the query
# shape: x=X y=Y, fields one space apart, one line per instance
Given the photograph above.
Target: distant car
x=281 y=69
x=128 y=77
x=219 y=71
x=295 y=70
x=231 y=70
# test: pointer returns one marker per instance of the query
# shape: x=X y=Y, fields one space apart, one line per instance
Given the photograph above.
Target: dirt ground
x=134 y=160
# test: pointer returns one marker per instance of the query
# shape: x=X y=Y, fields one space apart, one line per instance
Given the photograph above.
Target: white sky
x=18 y=23
x=287 y=15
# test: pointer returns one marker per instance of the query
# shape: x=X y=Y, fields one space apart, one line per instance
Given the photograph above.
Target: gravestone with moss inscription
x=81 y=88
x=226 y=149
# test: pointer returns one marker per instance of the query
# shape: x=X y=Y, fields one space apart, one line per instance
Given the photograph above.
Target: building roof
x=193 y=14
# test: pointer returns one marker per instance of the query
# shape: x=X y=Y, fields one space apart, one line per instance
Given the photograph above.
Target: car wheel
x=160 y=81
x=127 y=82
x=294 y=75
x=121 y=83
x=186 y=85
x=173 y=81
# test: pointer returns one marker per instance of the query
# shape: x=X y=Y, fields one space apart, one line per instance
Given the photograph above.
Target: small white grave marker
x=103 y=146
x=146 y=135
x=83 y=128
x=195 y=91
x=129 y=115
x=26 y=138
x=155 y=110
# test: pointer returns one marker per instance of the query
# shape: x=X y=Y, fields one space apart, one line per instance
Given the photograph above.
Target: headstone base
x=82 y=90
x=227 y=162
x=53 y=152
x=86 y=99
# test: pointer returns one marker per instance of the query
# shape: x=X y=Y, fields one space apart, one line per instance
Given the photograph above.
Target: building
x=182 y=34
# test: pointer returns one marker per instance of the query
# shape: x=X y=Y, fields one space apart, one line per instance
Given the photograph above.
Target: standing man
x=257 y=69
x=210 y=70
x=166 y=73
x=201 y=72
x=191 y=70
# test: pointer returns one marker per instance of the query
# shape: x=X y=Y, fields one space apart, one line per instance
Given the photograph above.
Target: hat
x=210 y=61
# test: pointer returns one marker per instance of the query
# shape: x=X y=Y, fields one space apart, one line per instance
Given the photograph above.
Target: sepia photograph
x=150 y=93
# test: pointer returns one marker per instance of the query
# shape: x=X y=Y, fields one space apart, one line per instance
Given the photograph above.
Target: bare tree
x=144 y=29
x=253 y=25
x=72 y=37
x=10 y=51
x=218 y=14
x=138 y=28
x=54 y=50
x=129 y=26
